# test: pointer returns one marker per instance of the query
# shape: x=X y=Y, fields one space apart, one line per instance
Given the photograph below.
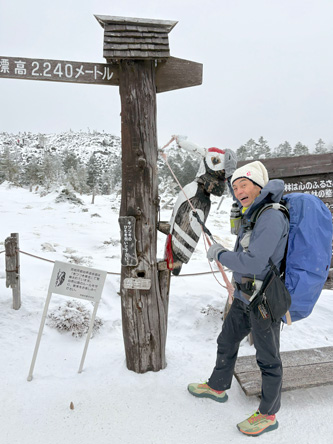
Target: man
x=250 y=263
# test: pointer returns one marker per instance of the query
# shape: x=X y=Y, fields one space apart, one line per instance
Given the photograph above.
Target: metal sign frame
x=77 y=282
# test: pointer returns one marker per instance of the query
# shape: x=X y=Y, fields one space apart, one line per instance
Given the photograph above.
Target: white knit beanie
x=254 y=171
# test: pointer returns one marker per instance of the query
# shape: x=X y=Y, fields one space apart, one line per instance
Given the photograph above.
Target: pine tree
x=94 y=172
x=69 y=160
x=32 y=172
x=9 y=167
x=251 y=149
x=51 y=169
x=264 y=151
x=105 y=183
x=300 y=150
x=72 y=179
x=241 y=153
x=283 y=150
x=190 y=169
x=320 y=147
x=82 y=177
x=113 y=171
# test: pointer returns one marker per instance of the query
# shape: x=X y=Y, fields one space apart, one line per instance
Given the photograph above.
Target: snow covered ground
x=112 y=404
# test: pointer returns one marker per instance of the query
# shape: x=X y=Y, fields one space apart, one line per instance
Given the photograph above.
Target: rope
x=37 y=257
x=111 y=272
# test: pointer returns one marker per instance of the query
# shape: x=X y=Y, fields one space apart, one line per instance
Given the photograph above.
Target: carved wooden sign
x=320 y=185
x=58 y=71
x=128 y=241
x=171 y=74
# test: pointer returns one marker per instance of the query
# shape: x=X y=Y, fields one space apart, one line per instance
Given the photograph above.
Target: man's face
x=245 y=191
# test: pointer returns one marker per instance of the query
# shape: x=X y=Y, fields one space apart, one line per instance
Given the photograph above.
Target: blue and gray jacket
x=267 y=239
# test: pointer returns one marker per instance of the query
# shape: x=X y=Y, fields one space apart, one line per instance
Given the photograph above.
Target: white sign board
x=77 y=282
x=137 y=284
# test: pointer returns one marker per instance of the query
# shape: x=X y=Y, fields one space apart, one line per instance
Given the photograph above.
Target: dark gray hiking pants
x=238 y=324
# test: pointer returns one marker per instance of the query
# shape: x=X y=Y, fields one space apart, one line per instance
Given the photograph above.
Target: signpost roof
x=135 y=38
x=167 y=25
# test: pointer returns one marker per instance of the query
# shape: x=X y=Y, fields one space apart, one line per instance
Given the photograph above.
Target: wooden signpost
x=141 y=49
x=139 y=61
x=13 y=268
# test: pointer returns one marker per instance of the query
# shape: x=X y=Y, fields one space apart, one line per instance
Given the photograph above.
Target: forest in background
x=90 y=162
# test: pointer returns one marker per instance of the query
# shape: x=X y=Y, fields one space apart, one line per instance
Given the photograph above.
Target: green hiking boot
x=204 y=391
x=257 y=424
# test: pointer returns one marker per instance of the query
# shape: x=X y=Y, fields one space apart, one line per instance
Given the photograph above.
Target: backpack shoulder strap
x=249 y=224
x=280 y=206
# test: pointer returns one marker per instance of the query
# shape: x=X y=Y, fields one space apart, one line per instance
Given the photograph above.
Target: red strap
x=168 y=256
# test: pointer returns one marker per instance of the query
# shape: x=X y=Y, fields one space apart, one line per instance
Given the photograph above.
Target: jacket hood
x=272 y=192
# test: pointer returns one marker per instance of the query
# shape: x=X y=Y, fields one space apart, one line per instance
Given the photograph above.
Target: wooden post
x=144 y=312
x=13 y=268
x=139 y=48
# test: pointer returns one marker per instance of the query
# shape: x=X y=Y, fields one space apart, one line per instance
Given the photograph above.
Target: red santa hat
x=215 y=159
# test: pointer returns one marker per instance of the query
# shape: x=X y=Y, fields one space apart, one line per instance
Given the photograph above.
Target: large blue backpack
x=309 y=251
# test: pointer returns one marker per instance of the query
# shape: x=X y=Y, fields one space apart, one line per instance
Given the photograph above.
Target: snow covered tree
x=69 y=160
x=283 y=150
x=115 y=172
x=72 y=179
x=51 y=169
x=241 y=153
x=32 y=172
x=300 y=150
x=251 y=149
x=190 y=169
x=263 y=150
x=320 y=147
x=94 y=172
x=248 y=151
x=111 y=176
x=81 y=178
x=9 y=166
x=105 y=183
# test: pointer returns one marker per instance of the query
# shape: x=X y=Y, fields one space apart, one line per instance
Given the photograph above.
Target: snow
x=111 y=403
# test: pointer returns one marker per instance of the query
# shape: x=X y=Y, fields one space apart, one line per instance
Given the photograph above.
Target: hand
x=179 y=138
x=214 y=251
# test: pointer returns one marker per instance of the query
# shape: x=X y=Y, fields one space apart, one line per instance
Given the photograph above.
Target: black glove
x=214 y=251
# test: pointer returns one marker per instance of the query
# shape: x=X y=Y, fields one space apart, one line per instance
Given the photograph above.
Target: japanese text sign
x=128 y=241
x=58 y=71
x=77 y=281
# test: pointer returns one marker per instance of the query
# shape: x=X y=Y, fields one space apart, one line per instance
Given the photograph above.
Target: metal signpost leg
x=47 y=303
x=88 y=337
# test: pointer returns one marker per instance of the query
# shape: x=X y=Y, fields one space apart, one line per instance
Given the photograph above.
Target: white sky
x=267 y=68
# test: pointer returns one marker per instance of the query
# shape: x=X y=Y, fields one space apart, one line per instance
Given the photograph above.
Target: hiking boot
x=257 y=424
x=204 y=391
